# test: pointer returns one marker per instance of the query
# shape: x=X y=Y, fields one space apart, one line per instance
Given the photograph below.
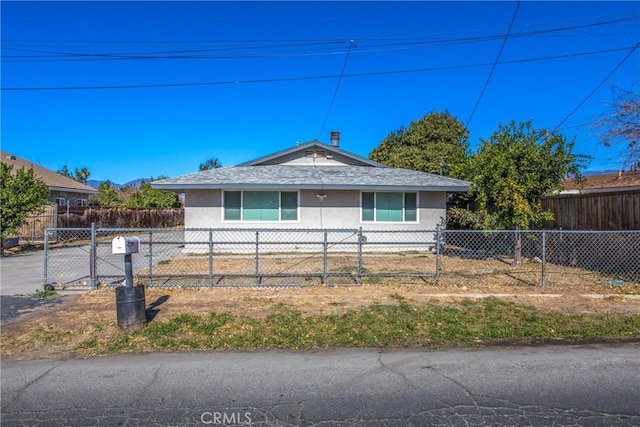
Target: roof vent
x=335 y=139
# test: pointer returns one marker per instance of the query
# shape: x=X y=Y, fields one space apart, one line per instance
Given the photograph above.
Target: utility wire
x=598 y=86
x=335 y=92
x=62 y=56
x=495 y=64
x=285 y=79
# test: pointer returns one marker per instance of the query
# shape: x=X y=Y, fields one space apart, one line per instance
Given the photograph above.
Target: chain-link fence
x=168 y=257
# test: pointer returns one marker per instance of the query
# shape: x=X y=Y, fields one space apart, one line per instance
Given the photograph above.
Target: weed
x=43 y=293
x=87 y=344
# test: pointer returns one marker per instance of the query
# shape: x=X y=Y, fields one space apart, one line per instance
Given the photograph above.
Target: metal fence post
x=93 y=258
x=46 y=256
x=544 y=258
x=257 y=258
x=325 y=248
x=360 y=242
x=438 y=240
x=210 y=258
x=150 y=257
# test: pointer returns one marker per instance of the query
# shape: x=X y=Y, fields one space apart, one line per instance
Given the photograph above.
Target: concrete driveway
x=22 y=274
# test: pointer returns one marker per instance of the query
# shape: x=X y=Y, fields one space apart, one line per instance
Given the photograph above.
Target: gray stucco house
x=313 y=185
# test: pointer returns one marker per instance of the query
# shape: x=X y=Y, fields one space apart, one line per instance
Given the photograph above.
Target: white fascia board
x=179 y=188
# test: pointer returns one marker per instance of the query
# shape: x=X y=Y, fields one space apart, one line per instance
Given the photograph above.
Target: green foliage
x=212 y=163
x=107 y=196
x=464 y=219
x=21 y=194
x=147 y=197
x=514 y=169
x=43 y=293
x=437 y=142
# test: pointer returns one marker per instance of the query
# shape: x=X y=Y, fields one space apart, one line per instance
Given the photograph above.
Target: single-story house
x=314 y=186
x=63 y=191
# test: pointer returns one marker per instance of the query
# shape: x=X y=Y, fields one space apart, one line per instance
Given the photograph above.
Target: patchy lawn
x=323 y=316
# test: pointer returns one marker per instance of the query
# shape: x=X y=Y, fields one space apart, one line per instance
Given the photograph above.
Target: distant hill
x=135 y=183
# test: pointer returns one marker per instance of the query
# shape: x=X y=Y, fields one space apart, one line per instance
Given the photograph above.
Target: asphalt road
x=595 y=385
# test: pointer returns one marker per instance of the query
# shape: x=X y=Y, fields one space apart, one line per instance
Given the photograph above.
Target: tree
x=622 y=126
x=437 y=143
x=21 y=194
x=80 y=175
x=147 y=197
x=107 y=196
x=212 y=163
x=65 y=172
x=514 y=169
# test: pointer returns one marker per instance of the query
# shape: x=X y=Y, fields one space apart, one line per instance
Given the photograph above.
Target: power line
x=55 y=56
x=495 y=64
x=285 y=79
x=598 y=86
x=335 y=92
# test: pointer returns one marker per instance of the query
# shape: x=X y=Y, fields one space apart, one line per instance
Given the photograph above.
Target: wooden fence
x=81 y=217
x=594 y=211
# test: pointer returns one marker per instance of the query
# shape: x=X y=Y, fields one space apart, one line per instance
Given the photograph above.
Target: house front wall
x=70 y=198
x=317 y=209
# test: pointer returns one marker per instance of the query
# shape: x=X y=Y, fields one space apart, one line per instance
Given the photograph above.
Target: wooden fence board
x=594 y=211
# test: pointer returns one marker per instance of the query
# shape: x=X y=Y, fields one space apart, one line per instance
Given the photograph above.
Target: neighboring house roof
x=601 y=183
x=266 y=173
x=53 y=180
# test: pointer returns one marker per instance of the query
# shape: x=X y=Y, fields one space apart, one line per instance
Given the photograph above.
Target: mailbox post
x=130 y=300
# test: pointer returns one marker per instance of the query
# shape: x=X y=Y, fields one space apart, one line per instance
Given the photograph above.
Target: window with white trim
x=260 y=205
x=389 y=207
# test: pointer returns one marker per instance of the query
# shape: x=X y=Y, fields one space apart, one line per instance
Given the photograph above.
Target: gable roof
x=607 y=182
x=313 y=144
x=273 y=172
x=53 y=180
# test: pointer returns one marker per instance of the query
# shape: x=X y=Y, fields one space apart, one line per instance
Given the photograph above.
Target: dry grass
x=70 y=329
x=342 y=269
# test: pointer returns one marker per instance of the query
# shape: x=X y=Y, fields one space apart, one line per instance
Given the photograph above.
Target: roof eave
x=72 y=190
x=343 y=187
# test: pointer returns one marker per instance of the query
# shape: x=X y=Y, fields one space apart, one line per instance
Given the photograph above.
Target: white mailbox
x=125 y=245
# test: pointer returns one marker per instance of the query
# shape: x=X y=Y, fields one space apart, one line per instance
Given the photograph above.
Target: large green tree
x=147 y=197
x=437 y=143
x=107 y=196
x=514 y=169
x=21 y=193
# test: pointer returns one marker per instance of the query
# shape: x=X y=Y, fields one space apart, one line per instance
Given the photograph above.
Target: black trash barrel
x=130 y=307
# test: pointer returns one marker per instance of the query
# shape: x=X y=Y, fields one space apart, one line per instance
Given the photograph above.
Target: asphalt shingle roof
x=312 y=177
x=52 y=179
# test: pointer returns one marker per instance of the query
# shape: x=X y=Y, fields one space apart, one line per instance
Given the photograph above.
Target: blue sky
x=147 y=89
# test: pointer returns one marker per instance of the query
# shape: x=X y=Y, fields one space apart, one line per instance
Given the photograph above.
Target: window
x=389 y=207
x=260 y=206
